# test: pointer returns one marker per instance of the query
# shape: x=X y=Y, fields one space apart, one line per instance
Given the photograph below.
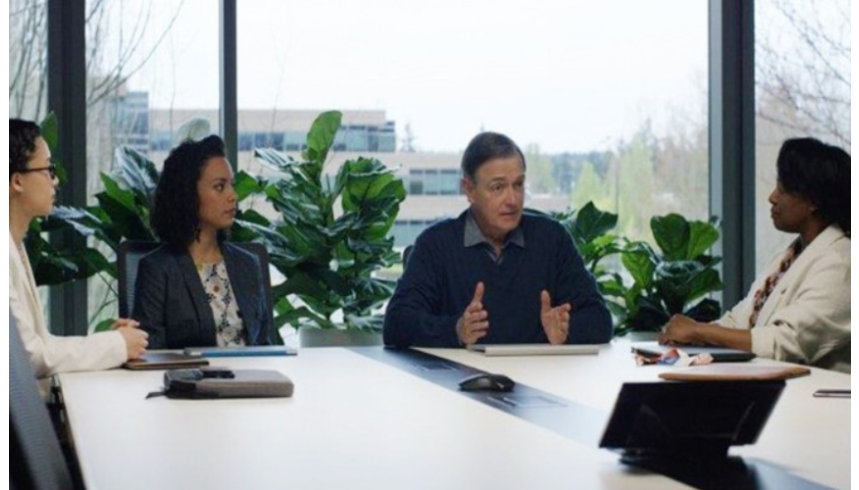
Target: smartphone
x=832 y=393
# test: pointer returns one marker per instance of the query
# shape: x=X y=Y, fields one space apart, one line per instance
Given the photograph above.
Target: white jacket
x=48 y=353
x=806 y=319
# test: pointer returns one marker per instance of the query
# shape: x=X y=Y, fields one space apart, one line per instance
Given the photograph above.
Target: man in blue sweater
x=494 y=275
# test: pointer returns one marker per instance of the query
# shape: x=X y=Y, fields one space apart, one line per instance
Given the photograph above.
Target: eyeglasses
x=52 y=170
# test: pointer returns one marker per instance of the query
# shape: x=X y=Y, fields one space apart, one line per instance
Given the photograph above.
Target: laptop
x=720 y=354
x=492 y=350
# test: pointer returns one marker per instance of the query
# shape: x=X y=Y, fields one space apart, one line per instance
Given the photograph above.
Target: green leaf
x=674 y=282
x=650 y=316
x=245 y=185
x=591 y=223
x=135 y=173
x=671 y=233
x=371 y=323
x=705 y=282
x=321 y=137
x=123 y=197
x=638 y=258
x=702 y=236
x=50 y=129
x=273 y=159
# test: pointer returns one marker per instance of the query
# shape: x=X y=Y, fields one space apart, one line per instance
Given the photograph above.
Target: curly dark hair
x=820 y=173
x=22 y=144
x=175 y=214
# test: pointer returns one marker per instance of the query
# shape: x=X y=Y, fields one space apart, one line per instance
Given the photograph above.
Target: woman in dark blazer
x=197 y=289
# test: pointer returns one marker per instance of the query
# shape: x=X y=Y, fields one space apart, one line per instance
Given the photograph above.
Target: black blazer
x=171 y=305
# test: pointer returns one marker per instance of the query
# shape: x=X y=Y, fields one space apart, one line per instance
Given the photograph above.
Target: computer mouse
x=487 y=382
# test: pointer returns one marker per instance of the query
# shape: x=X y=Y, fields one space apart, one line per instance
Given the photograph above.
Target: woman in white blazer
x=799 y=309
x=32 y=186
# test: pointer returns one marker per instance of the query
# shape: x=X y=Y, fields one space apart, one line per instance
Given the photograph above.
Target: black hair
x=820 y=173
x=485 y=147
x=175 y=214
x=22 y=144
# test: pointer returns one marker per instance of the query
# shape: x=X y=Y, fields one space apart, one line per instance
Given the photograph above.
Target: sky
x=566 y=75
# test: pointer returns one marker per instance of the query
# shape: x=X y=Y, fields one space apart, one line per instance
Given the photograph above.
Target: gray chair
x=128 y=261
x=35 y=457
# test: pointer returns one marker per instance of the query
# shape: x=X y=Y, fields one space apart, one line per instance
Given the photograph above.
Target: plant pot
x=333 y=337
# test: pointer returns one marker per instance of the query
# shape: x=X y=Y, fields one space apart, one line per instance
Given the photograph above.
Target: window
x=607 y=107
x=150 y=68
x=405 y=232
x=802 y=72
x=28 y=52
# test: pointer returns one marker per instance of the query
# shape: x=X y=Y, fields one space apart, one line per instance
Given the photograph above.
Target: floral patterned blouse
x=228 y=326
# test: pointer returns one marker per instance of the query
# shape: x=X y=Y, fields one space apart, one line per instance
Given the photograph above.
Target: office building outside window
x=608 y=108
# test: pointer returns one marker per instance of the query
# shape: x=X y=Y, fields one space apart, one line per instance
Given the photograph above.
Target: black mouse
x=487 y=382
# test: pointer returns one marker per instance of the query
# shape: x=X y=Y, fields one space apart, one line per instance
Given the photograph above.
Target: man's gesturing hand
x=474 y=322
x=556 y=321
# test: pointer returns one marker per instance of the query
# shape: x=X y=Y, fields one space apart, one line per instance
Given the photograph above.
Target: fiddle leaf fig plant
x=331 y=232
x=674 y=279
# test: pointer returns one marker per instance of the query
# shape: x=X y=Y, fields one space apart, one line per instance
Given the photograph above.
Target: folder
x=165 y=360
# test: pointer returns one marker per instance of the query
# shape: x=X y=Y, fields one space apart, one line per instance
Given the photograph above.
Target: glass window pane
x=151 y=67
x=28 y=53
x=802 y=72
x=607 y=99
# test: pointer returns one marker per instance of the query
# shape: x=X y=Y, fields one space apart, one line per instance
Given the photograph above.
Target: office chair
x=35 y=457
x=128 y=261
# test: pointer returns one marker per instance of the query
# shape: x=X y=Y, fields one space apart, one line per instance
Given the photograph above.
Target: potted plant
x=674 y=279
x=329 y=238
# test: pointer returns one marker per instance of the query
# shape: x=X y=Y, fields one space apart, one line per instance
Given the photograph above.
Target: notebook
x=735 y=372
x=165 y=360
x=534 y=349
x=720 y=354
x=248 y=350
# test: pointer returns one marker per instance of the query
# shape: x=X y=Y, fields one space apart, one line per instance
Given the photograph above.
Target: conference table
x=369 y=417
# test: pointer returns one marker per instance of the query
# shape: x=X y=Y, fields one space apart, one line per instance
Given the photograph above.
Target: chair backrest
x=35 y=458
x=128 y=261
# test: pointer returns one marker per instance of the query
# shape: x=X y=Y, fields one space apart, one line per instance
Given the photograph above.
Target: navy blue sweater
x=441 y=275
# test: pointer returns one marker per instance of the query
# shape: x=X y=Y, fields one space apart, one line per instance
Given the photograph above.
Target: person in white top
x=32 y=189
x=799 y=309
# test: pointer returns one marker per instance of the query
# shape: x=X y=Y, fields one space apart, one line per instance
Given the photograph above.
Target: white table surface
x=354 y=422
